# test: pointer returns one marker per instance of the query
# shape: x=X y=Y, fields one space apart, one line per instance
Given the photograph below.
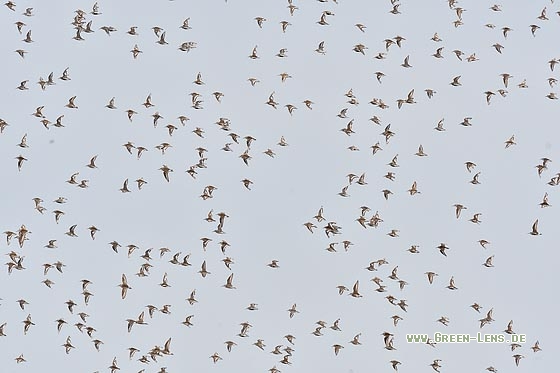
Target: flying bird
x=534 y=229
x=124 y=286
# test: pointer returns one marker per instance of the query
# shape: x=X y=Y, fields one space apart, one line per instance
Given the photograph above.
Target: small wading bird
x=534 y=229
x=124 y=286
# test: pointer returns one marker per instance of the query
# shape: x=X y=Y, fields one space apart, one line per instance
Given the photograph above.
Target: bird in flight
x=124 y=286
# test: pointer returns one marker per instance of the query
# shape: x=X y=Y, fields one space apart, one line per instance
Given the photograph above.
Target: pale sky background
x=266 y=222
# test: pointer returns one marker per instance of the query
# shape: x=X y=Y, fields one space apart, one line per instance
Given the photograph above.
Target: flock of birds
x=172 y=264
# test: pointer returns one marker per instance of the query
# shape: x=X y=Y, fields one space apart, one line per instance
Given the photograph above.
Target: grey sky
x=266 y=223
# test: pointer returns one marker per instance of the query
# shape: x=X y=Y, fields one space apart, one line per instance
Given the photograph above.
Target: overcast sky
x=266 y=222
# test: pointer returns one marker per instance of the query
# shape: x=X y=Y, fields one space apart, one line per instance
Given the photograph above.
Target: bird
x=413 y=249
x=355 y=290
x=165 y=170
x=476 y=307
x=290 y=108
x=161 y=40
x=229 y=345
x=57 y=215
x=247 y=183
x=488 y=262
x=71 y=231
x=438 y=54
x=379 y=75
x=435 y=365
x=439 y=126
x=455 y=82
x=91 y=163
x=22 y=303
x=198 y=80
x=22 y=85
x=510 y=141
x=114 y=367
x=509 y=328
x=498 y=47
x=356 y=340
x=451 y=285
x=20 y=160
x=406 y=63
x=124 y=286
x=420 y=152
x=51 y=244
x=124 y=188
x=132 y=31
x=254 y=55
x=475 y=219
x=253 y=307
x=458 y=209
x=413 y=189
x=135 y=51
x=341 y=289
x=534 y=229
x=203 y=272
x=395 y=9
x=285 y=25
x=290 y=338
x=111 y=104
x=474 y=180
x=395 y=364
x=321 y=48
x=260 y=21
x=229 y=282
x=393 y=233
x=108 y=29
x=191 y=299
x=292 y=311
x=323 y=20
x=68 y=345
x=185 y=25
x=483 y=243
x=130 y=113
x=271 y=101
x=388 y=339
x=393 y=162
x=71 y=104
x=488 y=94
x=164 y=283
x=59 y=324
x=343 y=192
x=260 y=344
x=12 y=6
x=342 y=113
x=28 y=37
x=27 y=323
x=337 y=348
x=442 y=247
